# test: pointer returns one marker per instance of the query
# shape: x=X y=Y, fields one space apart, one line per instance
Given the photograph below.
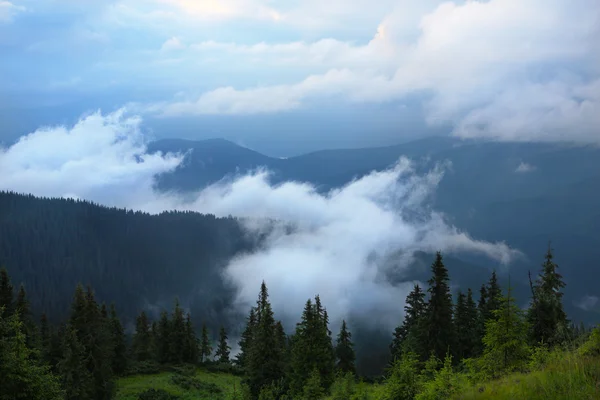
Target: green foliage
x=205 y=346
x=141 y=344
x=505 y=340
x=444 y=384
x=591 y=347
x=177 y=335
x=21 y=377
x=344 y=386
x=466 y=325
x=313 y=389
x=73 y=369
x=246 y=339
x=156 y=394
x=344 y=351
x=222 y=353
x=546 y=316
x=6 y=293
x=188 y=382
x=119 y=345
x=438 y=320
x=403 y=382
x=410 y=336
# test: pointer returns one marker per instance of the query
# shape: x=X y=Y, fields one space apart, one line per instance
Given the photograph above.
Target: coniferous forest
x=444 y=347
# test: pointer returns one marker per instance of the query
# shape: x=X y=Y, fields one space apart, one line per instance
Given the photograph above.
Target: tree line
x=81 y=358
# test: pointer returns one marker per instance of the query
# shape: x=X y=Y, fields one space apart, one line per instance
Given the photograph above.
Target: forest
x=443 y=348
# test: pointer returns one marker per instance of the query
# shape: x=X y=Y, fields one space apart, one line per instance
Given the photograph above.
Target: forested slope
x=135 y=259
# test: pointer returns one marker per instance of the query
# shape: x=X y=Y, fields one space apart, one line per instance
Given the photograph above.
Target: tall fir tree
x=438 y=320
x=24 y=311
x=205 y=346
x=505 y=339
x=246 y=339
x=6 y=293
x=546 y=316
x=465 y=317
x=494 y=296
x=119 y=343
x=21 y=376
x=264 y=356
x=222 y=354
x=162 y=338
x=141 y=343
x=409 y=336
x=344 y=351
x=177 y=335
x=191 y=350
x=73 y=368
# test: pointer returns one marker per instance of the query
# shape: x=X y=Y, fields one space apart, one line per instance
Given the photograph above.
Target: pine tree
x=494 y=296
x=481 y=320
x=45 y=339
x=205 y=346
x=344 y=351
x=313 y=390
x=142 y=339
x=24 y=312
x=466 y=325
x=546 y=315
x=438 y=323
x=222 y=353
x=264 y=355
x=6 y=293
x=505 y=339
x=246 y=339
x=119 y=344
x=76 y=378
x=191 y=351
x=21 y=376
x=409 y=337
x=161 y=339
x=177 y=337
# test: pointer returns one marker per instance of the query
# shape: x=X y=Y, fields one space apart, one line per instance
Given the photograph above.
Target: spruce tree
x=505 y=339
x=465 y=318
x=264 y=356
x=438 y=320
x=75 y=376
x=205 y=346
x=6 y=293
x=21 y=376
x=162 y=337
x=142 y=339
x=177 y=337
x=481 y=320
x=24 y=311
x=344 y=351
x=494 y=296
x=119 y=344
x=191 y=351
x=409 y=337
x=546 y=315
x=222 y=353
x=45 y=339
x=246 y=339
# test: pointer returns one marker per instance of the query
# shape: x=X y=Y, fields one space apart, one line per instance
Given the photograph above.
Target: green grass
x=568 y=377
x=130 y=387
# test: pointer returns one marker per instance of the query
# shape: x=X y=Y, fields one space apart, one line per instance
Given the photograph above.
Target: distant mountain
x=523 y=193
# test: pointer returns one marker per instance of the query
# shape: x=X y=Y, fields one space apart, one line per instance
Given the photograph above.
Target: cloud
x=172 y=44
x=8 y=10
x=503 y=69
x=225 y=9
x=524 y=167
x=342 y=244
x=587 y=303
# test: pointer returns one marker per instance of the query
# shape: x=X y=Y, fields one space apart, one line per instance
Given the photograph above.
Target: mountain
x=525 y=194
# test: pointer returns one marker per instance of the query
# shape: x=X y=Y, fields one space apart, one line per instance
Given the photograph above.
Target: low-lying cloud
x=340 y=244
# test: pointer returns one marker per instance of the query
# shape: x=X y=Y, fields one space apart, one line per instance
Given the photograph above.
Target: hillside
x=525 y=194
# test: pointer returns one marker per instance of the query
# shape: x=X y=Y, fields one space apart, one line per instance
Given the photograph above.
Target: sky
x=287 y=76
x=85 y=85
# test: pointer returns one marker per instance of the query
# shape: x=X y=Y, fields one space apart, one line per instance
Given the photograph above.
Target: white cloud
x=8 y=10
x=587 y=303
x=342 y=241
x=507 y=69
x=172 y=44
x=524 y=167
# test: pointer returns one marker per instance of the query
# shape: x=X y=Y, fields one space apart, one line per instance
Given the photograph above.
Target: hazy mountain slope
x=523 y=193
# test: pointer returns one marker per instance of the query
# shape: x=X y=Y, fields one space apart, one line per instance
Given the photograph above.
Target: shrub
x=156 y=394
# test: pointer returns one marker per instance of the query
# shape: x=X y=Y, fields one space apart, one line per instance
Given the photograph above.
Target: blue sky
x=256 y=71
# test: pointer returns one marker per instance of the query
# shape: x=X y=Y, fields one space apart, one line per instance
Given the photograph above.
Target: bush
x=143 y=368
x=188 y=383
x=591 y=347
x=444 y=385
x=156 y=394
x=344 y=387
x=404 y=381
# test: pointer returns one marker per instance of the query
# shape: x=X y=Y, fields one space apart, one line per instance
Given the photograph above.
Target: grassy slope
x=130 y=387
x=567 y=377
